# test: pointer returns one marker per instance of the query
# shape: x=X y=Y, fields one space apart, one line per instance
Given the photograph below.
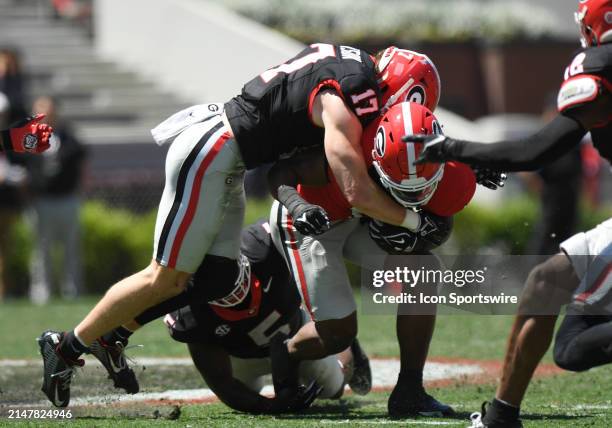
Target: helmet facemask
x=242 y=286
x=411 y=193
x=594 y=17
x=587 y=36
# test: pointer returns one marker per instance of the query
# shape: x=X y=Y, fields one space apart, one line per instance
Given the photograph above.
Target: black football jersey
x=595 y=61
x=273 y=305
x=271 y=118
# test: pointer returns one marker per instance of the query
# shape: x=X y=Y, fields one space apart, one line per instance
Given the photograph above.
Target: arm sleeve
x=526 y=154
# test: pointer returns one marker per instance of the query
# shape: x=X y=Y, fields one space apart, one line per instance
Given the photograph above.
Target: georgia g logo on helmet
x=416 y=95
x=379 y=142
x=405 y=75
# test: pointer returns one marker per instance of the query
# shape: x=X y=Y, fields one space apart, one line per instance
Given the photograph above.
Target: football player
x=582 y=270
x=228 y=331
x=229 y=337
x=316 y=255
x=26 y=136
x=324 y=96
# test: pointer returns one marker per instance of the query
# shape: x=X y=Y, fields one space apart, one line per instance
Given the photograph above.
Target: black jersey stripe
x=180 y=189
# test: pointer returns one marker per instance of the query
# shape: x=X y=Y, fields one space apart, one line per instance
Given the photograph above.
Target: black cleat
x=57 y=371
x=361 y=380
x=115 y=362
x=410 y=402
x=484 y=420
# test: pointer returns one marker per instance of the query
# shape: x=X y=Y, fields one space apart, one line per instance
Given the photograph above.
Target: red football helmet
x=595 y=20
x=405 y=75
x=411 y=185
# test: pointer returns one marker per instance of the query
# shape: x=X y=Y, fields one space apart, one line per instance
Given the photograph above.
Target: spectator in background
x=12 y=83
x=55 y=182
x=559 y=185
x=12 y=180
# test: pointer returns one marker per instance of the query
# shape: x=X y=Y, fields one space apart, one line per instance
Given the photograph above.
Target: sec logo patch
x=222 y=330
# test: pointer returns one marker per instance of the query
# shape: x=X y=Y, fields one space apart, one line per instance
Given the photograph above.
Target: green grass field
x=563 y=400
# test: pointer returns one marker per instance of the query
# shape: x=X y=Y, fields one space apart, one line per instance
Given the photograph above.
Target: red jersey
x=454 y=191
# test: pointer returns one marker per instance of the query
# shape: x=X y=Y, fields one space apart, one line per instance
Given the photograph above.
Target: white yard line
x=370 y=422
x=384 y=375
x=584 y=407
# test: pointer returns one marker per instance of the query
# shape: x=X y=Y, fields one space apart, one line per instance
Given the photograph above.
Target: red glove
x=27 y=135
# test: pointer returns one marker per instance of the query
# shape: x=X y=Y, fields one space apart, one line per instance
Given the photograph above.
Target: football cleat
x=57 y=371
x=480 y=420
x=361 y=380
x=410 y=402
x=116 y=364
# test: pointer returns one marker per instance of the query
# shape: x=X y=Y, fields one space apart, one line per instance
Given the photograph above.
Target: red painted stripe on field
x=491 y=370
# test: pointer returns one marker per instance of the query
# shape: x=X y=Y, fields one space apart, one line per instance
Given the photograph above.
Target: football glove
x=489 y=178
x=311 y=220
x=289 y=400
x=392 y=239
x=27 y=135
x=396 y=240
x=436 y=147
x=308 y=219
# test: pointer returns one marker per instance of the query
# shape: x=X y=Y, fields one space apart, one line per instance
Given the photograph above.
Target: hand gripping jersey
x=587 y=78
x=272 y=305
x=271 y=118
x=454 y=192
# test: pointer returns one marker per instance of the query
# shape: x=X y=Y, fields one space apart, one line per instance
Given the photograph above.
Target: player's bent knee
x=549 y=286
x=566 y=358
x=337 y=335
x=165 y=282
x=338 y=393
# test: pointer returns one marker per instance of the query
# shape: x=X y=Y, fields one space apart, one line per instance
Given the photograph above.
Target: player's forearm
x=236 y=395
x=364 y=195
x=281 y=175
x=309 y=169
x=530 y=153
x=375 y=203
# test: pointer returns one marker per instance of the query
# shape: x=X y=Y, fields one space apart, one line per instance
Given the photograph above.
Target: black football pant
x=583 y=341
